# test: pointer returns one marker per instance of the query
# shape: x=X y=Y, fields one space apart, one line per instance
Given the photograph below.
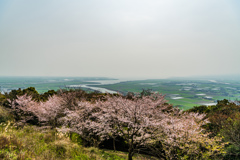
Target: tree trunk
x=114 y=146
x=130 y=155
x=83 y=142
x=130 y=151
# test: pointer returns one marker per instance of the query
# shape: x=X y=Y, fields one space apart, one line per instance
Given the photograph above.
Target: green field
x=184 y=93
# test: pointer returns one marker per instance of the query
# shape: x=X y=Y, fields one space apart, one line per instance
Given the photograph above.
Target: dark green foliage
x=11 y=96
x=2 y=99
x=130 y=95
x=231 y=134
x=46 y=95
x=76 y=138
x=224 y=119
x=31 y=91
x=233 y=152
x=5 y=115
x=217 y=114
x=199 y=109
x=146 y=92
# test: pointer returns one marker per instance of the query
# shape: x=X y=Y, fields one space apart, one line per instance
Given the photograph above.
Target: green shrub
x=76 y=138
x=4 y=115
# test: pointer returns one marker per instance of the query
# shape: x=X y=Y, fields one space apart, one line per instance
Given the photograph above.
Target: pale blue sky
x=119 y=38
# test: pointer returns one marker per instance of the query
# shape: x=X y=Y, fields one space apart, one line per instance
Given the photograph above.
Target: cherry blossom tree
x=183 y=136
x=146 y=120
x=142 y=121
x=21 y=108
x=137 y=120
x=49 y=111
x=83 y=121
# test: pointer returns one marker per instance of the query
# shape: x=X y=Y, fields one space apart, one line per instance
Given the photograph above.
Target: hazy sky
x=119 y=38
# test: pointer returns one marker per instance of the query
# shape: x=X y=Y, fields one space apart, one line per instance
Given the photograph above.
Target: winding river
x=100 y=82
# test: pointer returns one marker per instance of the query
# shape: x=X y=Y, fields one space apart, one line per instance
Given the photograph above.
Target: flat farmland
x=182 y=92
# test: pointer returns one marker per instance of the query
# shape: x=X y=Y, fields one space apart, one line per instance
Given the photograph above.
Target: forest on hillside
x=75 y=124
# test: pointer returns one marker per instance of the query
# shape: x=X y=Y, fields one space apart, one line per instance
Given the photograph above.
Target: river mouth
x=102 y=90
x=94 y=85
